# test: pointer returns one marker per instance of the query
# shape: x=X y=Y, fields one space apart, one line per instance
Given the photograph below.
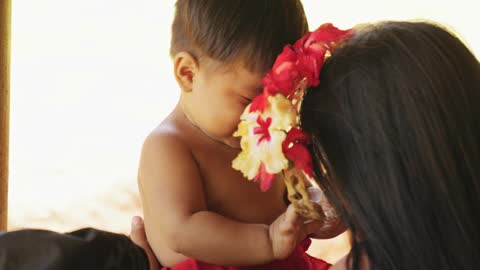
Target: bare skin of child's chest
x=226 y=191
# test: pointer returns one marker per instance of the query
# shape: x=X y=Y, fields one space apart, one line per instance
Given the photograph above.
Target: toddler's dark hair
x=229 y=30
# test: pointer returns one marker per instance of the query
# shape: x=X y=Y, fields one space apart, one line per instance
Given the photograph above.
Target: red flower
x=312 y=48
x=259 y=103
x=266 y=179
x=295 y=149
x=284 y=75
x=310 y=67
x=262 y=129
x=328 y=35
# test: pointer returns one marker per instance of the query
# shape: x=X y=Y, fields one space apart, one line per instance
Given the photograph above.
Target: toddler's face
x=219 y=97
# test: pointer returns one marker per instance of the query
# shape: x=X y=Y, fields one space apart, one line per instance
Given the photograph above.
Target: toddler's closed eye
x=246 y=99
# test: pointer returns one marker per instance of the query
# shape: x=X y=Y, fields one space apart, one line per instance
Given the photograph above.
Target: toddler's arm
x=176 y=214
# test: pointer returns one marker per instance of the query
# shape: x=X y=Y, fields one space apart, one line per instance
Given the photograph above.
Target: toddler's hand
x=287 y=231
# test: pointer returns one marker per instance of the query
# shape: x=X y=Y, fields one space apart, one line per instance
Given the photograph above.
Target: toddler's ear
x=185 y=67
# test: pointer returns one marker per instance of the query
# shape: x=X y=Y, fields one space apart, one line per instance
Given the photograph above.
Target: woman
x=396 y=122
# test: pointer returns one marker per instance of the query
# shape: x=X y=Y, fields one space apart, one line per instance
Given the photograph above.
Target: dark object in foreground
x=83 y=249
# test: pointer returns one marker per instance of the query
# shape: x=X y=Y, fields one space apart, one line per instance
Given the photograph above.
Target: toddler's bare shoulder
x=165 y=138
x=166 y=148
x=168 y=174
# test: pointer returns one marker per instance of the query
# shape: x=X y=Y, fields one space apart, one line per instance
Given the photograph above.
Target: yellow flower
x=262 y=137
x=254 y=153
x=282 y=112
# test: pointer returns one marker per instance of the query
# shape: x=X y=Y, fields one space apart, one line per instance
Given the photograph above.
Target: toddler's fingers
x=291 y=221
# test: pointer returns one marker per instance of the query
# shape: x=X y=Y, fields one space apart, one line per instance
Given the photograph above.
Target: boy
x=195 y=205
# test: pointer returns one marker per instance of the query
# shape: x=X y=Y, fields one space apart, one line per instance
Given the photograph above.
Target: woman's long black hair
x=396 y=122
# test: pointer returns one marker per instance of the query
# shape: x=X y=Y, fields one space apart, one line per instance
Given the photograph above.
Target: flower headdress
x=272 y=141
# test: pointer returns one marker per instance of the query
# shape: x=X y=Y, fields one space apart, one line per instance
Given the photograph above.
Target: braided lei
x=271 y=138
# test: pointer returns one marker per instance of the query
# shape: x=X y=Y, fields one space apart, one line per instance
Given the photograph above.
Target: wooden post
x=5 y=17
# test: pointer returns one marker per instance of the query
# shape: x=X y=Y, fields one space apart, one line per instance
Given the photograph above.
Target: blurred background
x=91 y=78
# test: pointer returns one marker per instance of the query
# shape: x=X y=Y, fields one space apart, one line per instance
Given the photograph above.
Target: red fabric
x=299 y=260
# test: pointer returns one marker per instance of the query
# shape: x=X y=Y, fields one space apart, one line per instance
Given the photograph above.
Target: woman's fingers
x=308 y=228
x=137 y=232
x=329 y=231
x=139 y=237
x=313 y=226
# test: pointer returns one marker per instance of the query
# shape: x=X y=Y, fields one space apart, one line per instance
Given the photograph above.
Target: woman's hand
x=288 y=230
x=138 y=236
x=333 y=229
